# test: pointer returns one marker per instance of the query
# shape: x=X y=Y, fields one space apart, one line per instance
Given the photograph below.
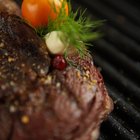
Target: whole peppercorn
x=59 y=62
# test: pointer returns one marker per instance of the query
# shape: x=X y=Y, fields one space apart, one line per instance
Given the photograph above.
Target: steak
x=10 y=6
x=38 y=102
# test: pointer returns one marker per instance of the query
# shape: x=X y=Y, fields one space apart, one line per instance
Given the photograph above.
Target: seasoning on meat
x=38 y=102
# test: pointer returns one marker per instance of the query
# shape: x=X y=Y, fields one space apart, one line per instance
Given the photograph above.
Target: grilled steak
x=10 y=6
x=37 y=102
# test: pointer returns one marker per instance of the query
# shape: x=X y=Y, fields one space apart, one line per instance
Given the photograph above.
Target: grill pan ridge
x=118 y=56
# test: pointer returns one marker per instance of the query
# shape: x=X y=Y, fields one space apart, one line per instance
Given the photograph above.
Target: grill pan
x=117 y=54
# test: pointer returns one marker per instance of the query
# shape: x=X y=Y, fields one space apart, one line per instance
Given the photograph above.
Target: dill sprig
x=76 y=27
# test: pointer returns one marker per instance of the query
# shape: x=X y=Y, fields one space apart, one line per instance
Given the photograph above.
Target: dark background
x=117 y=55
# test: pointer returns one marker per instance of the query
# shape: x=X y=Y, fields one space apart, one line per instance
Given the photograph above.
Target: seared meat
x=23 y=56
x=48 y=105
x=9 y=6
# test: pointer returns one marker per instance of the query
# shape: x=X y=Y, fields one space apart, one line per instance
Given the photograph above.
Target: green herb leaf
x=77 y=29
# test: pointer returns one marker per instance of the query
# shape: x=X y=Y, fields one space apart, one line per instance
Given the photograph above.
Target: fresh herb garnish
x=76 y=27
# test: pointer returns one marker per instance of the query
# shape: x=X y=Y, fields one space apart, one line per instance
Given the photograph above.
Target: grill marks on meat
x=54 y=105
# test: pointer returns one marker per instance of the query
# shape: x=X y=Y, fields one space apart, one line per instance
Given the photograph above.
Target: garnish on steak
x=40 y=101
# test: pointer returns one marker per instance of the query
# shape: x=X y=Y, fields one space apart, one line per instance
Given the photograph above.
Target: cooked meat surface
x=37 y=102
x=9 y=6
